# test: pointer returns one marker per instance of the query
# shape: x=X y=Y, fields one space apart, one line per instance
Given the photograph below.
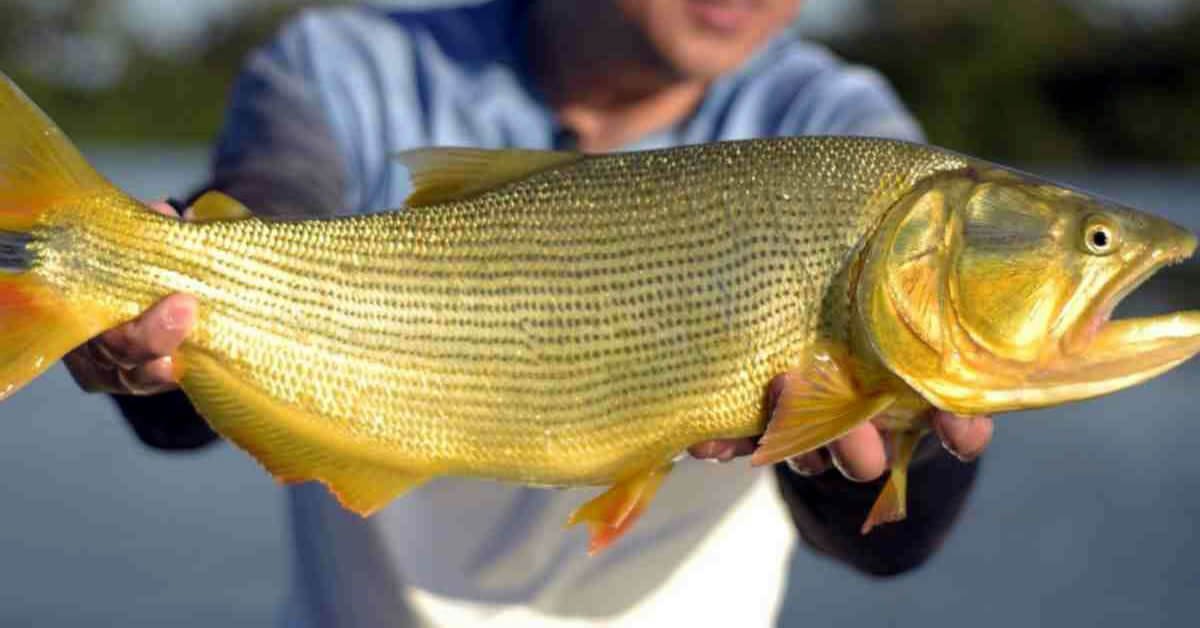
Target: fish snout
x=1175 y=243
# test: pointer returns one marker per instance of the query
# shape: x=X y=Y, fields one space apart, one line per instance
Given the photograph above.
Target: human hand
x=861 y=454
x=135 y=358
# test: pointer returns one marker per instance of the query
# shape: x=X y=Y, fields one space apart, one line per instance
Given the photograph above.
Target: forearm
x=828 y=511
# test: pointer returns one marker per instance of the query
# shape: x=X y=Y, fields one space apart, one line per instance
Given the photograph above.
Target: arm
x=828 y=511
x=828 y=508
x=277 y=155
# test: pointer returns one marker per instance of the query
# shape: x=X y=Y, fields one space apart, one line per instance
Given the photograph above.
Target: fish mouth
x=1105 y=355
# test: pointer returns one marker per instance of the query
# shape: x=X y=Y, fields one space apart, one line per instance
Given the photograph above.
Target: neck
x=605 y=82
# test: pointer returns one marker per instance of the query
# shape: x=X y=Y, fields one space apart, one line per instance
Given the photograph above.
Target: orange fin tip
x=611 y=514
x=891 y=505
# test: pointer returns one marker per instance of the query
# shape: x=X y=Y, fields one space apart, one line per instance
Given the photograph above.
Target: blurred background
x=1084 y=515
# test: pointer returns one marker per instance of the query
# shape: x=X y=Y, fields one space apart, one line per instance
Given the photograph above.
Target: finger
x=722 y=450
x=150 y=378
x=163 y=208
x=776 y=388
x=860 y=454
x=95 y=376
x=811 y=463
x=91 y=375
x=158 y=332
x=964 y=437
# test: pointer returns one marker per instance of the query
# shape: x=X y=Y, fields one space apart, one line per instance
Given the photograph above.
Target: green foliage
x=1035 y=82
x=160 y=98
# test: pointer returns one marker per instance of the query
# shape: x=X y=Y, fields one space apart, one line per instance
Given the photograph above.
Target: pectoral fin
x=614 y=511
x=820 y=404
x=891 y=505
x=291 y=445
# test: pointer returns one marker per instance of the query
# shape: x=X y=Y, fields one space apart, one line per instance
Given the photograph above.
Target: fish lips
x=1112 y=354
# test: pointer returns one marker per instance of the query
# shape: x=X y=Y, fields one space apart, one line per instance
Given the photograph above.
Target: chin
x=701 y=59
x=703 y=39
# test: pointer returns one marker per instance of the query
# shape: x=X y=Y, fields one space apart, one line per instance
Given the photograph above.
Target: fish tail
x=40 y=171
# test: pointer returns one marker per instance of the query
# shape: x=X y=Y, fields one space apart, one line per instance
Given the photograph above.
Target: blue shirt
x=311 y=127
x=355 y=86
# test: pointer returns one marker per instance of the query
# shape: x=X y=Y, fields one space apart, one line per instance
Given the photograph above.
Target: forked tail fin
x=39 y=167
x=39 y=170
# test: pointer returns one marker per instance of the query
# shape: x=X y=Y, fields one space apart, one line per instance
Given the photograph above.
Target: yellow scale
x=557 y=319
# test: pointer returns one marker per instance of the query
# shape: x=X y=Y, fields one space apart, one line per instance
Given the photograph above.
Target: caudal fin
x=35 y=330
x=39 y=170
x=39 y=167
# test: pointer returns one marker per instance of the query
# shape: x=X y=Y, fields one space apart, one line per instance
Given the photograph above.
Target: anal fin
x=365 y=489
x=613 y=512
x=292 y=445
x=891 y=505
x=819 y=405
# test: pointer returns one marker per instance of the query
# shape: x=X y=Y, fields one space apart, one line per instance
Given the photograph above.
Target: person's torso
x=469 y=550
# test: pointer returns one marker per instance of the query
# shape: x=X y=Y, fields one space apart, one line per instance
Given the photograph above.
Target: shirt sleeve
x=867 y=106
x=277 y=155
x=830 y=97
x=828 y=511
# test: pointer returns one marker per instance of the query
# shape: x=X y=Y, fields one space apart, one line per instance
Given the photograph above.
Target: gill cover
x=971 y=284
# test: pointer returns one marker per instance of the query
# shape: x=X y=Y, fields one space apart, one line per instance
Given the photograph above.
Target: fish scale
x=613 y=310
x=557 y=319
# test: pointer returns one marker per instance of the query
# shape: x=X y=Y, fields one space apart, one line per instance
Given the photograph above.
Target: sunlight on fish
x=555 y=319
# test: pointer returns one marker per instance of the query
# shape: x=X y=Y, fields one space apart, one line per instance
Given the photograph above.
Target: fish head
x=987 y=290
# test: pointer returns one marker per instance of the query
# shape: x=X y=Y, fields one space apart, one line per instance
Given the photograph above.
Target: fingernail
x=168 y=366
x=801 y=467
x=718 y=453
x=810 y=464
x=841 y=467
x=951 y=430
x=176 y=317
x=953 y=452
x=100 y=354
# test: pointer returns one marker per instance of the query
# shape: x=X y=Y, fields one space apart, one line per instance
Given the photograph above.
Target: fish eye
x=1099 y=237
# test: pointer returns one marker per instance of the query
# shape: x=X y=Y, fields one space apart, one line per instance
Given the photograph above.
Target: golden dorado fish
x=557 y=319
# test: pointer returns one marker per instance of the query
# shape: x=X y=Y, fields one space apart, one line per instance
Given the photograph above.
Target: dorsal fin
x=439 y=175
x=214 y=205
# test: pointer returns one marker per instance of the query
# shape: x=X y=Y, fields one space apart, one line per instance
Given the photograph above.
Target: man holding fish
x=314 y=123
